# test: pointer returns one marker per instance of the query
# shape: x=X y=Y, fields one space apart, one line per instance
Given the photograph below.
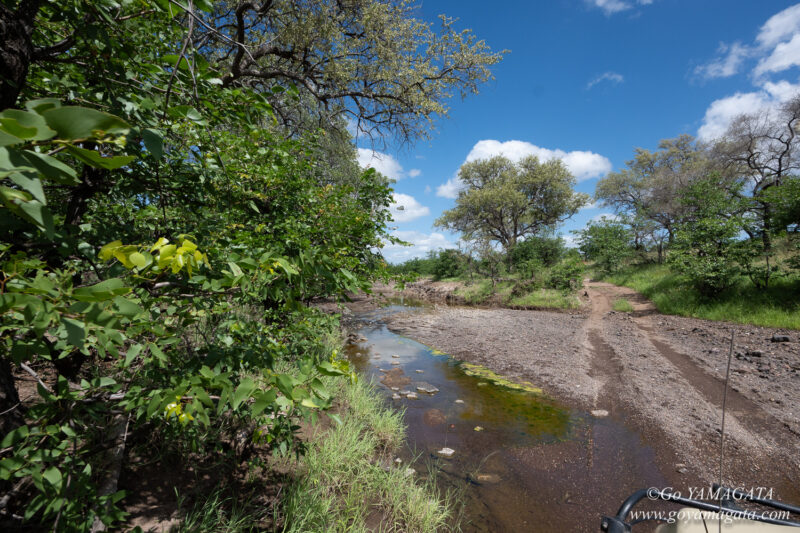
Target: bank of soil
x=661 y=374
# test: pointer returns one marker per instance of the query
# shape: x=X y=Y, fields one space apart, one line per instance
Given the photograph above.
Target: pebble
x=426 y=387
x=395 y=362
x=780 y=338
x=446 y=452
x=395 y=389
x=412 y=396
x=419 y=371
x=395 y=356
x=459 y=401
x=599 y=413
x=478 y=428
x=396 y=396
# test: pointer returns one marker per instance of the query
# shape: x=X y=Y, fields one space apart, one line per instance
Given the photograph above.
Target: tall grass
x=345 y=486
x=777 y=307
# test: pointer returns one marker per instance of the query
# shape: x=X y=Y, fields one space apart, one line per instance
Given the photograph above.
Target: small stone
x=755 y=353
x=396 y=389
x=780 y=338
x=395 y=356
x=599 y=413
x=681 y=470
x=459 y=401
x=405 y=392
x=426 y=387
x=395 y=362
x=412 y=396
x=478 y=428
x=419 y=371
x=396 y=396
x=446 y=452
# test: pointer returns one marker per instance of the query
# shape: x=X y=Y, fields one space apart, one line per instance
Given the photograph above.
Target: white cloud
x=731 y=58
x=610 y=7
x=609 y=76
x=721 y=112
x=779 y=26
x=421 y=244
x=383 y=163
x=414 y=172
x=406 y=208
x=608 y=216
x=450 y=188
x=583 y=165
x=784 y=56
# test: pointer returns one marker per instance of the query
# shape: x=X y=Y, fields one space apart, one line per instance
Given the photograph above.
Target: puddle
x=521 y=461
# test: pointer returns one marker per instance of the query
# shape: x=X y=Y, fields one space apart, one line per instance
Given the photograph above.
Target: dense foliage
x=170 y=207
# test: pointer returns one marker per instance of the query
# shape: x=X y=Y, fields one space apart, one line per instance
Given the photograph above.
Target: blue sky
x=588 y=81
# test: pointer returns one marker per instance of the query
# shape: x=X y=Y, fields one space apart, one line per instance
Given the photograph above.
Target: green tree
x=708 y=247
x=607 y=242
x=504 y=201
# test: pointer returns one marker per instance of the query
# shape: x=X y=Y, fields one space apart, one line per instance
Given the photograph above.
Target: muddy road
x=661 y=377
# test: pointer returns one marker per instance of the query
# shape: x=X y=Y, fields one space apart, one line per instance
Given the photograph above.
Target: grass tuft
x=622 y=305
x=776 y=307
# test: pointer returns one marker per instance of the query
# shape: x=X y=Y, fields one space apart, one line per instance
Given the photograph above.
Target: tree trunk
x=16 y=49
x=11 y=417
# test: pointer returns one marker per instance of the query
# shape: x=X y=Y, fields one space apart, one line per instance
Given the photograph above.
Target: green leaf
x=53 y=476
x=76 y=331
x=26 y=125
x=132 y=353
x=29 y=161
x=126 y=307
x=138 y=259
x=32 y=185
x=73 y=123
x=154 y=142
x=42 y=105
x=105 y=290
x=92 y=158
x=6 y=139
x=263 y=401
x=243 y=392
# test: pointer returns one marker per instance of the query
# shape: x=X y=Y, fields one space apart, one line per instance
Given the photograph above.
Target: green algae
x=484 y=373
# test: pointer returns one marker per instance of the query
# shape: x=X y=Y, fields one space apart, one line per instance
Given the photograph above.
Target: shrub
x=567 y=275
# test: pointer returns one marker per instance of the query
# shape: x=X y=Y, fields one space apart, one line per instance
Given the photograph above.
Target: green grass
x=345 y=488
x=622 y=305
x=777 y=307
x=546 y=299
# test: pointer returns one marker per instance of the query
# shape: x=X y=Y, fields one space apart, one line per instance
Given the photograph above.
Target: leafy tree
x=545 y=249
x=648 y=190
x=164 y=226
x=708 y=247
x=447 y=264
x=504 y=201
x=607 y=242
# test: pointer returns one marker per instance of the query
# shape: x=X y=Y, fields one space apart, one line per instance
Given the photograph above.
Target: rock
x=405 y=392
x=396 y=396
x=780 y=338
x=419 y=371
x=433 y=417
x=426 y=387
x=459 y=401
x=599 y=413
x=478 y=428
x=395 y=356
x=446 y=452
x=412 y=396
x=396 y=389
x=395 y=362
x=681 y=470
x=754 y=353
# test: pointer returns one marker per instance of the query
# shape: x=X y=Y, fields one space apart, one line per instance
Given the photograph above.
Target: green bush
x=567 y=275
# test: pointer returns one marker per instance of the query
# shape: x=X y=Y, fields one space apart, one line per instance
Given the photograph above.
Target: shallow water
x=534 y=464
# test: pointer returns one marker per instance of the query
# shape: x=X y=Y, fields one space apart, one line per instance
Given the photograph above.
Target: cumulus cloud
x=721 y=112
x=610 y=7
x=727 y=64
x=384 y=163
x=583 y=165
x=405 y=208
x=779 y=26
x=783 y=56
x=609 y=76
x=421 y=244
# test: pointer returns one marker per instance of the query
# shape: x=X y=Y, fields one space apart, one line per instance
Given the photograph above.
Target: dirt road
x=662 y=374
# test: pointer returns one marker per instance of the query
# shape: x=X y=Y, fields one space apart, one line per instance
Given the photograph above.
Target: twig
x=33 y=373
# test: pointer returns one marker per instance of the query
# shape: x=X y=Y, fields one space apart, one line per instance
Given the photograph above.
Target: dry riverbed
x=662 y=374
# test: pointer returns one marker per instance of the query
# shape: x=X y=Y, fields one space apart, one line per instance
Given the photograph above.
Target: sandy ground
x=663 y=374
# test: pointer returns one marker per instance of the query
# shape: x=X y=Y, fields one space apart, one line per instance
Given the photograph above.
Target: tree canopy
x=505 y=201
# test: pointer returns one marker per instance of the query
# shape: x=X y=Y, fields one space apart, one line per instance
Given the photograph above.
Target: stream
x=520 y=462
